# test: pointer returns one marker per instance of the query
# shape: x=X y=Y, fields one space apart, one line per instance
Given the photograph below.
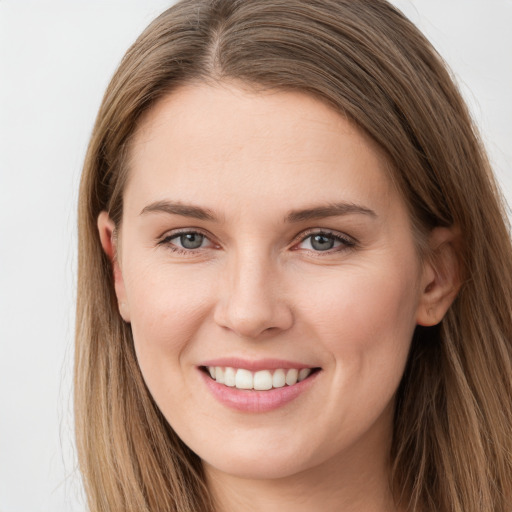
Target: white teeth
x=219 y=374
x=304 y=373
x=230 y=377
x=292 y=376
x=261 y=380
x=278 y=379
x=243 y=379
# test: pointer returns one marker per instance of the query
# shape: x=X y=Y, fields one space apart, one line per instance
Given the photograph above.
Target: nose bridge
x=252 y=300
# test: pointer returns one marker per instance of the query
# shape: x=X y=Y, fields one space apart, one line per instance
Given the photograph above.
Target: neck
x=301 y=493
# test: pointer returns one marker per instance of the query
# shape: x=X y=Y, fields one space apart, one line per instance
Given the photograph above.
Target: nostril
x=253 y=320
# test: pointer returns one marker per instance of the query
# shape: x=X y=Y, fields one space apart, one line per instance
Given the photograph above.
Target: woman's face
x=261 y=236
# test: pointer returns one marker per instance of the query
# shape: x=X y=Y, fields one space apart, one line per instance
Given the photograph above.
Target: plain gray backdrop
x=56 y=59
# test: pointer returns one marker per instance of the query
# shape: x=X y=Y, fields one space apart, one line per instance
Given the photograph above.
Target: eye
x=325 y=241
x=190 y=240
x=186 y=241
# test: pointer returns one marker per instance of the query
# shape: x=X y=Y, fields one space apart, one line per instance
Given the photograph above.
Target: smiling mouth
x=262 y=380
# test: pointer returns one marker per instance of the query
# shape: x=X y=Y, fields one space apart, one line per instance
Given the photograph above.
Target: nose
x=252 y=300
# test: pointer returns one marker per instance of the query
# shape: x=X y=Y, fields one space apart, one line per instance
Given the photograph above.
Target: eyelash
x=166 y=241
x=346 y=242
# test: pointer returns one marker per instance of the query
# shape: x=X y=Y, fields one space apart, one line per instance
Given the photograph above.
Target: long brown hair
x=452 y=441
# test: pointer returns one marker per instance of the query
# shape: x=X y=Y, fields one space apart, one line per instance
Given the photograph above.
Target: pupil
x=322 y=242
x=191 y=240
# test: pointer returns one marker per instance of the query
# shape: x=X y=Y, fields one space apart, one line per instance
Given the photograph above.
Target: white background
x=55 y=61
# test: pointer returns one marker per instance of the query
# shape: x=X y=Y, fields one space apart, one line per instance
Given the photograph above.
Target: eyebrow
x=330 y=210
x=319 y=212
x=171 y=208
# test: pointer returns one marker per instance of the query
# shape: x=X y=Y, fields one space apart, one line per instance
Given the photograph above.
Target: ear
x=440 y=279
x=108 y=238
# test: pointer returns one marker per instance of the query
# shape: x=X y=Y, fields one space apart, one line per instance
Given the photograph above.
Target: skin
x=257 y=288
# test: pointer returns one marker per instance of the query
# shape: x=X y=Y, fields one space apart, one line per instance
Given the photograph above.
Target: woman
x=295 y=273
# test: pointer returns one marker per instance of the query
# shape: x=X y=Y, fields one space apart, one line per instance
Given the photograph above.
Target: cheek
x=367 y=300
x=364 y=321
x=366 y=318
x=166 y=307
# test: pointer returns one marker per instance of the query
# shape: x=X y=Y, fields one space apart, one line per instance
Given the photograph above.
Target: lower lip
x=257 y=401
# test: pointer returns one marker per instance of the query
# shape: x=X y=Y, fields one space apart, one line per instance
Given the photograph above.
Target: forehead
x=212 y=143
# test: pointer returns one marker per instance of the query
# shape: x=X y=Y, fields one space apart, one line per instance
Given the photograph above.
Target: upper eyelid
x=322 y=231
x=180 y=231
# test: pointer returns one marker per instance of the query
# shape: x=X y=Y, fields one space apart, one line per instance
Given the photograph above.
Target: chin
x=258 y=468
x=258 y=462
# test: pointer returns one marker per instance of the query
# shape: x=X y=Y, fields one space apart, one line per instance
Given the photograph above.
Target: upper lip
x=256 y=365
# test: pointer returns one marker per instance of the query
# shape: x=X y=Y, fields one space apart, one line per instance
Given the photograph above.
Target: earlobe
x=441 y=277
x=107 y=233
